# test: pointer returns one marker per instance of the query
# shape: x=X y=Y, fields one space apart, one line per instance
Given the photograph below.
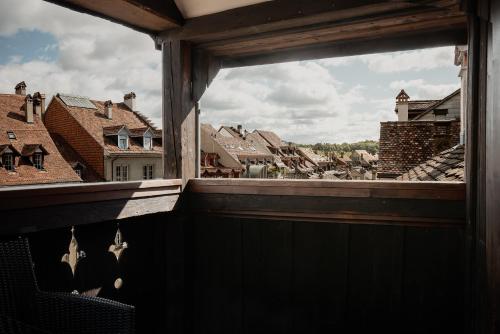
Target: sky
x=56 y=50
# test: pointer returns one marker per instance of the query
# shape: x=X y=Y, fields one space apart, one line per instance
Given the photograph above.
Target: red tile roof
x=12 y=118
x=95 y=122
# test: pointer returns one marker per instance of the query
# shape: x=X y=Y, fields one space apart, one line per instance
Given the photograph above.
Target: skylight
x=77 y=101
x=11 y=134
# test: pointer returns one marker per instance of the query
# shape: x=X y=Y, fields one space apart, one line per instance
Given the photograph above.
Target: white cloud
x=97 y=58
x=417 y=60
x=301 y=101
x=421 y=89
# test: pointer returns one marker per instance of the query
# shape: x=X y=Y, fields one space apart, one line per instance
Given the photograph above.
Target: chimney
x=28 y=107
x=402 y=106
x=461 y=60
x=39 y=104
x=108 y=109
x=239 y=127
x=129 y=100
x=21 y=88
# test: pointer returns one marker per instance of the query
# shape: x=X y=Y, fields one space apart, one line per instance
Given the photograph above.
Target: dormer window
x=148 y=142
x=38 y=160
x=123 y=142
x=8 y=161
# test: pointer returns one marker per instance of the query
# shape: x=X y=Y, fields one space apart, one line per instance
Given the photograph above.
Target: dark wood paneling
x=267 y=277
x=374 y=278
x=433 y=280
x=217 y=276
x=261 y=276
x=321 y=263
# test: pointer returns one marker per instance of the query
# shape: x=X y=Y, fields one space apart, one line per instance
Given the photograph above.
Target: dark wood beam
x=148 y=16
x=178 y=111
x=400 y=42
x=287 y=14
x=378 y=27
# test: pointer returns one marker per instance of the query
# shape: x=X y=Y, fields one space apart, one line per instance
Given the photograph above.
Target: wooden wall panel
x=272 y=276
x=217 y=276
x=321 y=263
x=374 y=278
x=267 y=277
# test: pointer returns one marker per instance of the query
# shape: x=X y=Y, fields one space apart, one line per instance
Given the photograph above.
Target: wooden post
x=186 y=75
x=178 y=112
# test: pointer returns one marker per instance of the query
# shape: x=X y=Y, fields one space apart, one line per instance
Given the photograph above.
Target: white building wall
x=135 y=167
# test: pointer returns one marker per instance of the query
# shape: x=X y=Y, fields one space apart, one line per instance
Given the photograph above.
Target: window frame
x=38 y=161
x=11 y=164
x=121 y=173
x=148 y=172
x=120 y=138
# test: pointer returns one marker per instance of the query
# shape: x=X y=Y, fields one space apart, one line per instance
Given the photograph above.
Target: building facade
x=424 y=129
x=28 y=154
x=112 y=140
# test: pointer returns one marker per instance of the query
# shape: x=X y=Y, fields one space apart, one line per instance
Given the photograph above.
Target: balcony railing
x=255 y=255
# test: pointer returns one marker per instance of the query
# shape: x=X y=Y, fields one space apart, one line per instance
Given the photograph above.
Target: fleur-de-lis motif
x=119 y=246
x=73 y=257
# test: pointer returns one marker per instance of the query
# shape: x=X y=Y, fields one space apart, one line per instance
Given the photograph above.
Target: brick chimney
x=39 y=104
x=108 y=109
x=28 y=108
x=129 y=100
x=21 y=88
x=402 y=106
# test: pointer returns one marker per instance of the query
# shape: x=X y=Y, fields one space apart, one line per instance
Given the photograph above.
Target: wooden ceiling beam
x=288 y=14
x=399 y=42
x=379 y=25
x=148 y=16
x=277 y=15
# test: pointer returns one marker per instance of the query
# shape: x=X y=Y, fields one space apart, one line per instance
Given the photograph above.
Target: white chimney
x=402 y=106
x=39 y=104
x=21 y=88
x=28 y=107
x=461 y=60
x=129 y=100
x=108 y=109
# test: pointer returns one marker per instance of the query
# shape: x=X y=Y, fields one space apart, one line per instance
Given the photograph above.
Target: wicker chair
x=26 y=309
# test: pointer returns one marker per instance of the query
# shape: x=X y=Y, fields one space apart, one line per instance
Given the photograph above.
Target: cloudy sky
x=331 y=100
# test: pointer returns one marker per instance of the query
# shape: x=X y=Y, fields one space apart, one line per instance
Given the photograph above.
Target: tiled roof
x=12 y=118
x=73 y=158
x=29 y=149
x=273 y=139
x=238 y=147
x=446 y=166
x=99 y=126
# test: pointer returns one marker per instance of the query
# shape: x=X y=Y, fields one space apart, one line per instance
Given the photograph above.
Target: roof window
x=11 y=135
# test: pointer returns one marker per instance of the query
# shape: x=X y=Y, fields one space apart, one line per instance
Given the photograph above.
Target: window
x=123 y=142
x=11 y=134
x=38 y=161
x=8 y=161
x=148 y=143
x=121 y=173
x=147 y=172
